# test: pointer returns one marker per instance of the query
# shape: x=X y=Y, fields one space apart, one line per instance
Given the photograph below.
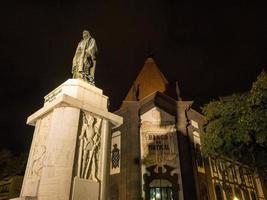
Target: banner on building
x=115 y=157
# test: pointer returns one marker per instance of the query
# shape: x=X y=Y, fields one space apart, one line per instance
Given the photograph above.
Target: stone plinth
x=85 y=189
x=69 y=152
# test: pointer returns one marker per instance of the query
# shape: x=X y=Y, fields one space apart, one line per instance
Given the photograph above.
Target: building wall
x=194 y=129
x=198 y=178
x=159 y=149
x=184 y=143
x=222 y=177
x=127 y=183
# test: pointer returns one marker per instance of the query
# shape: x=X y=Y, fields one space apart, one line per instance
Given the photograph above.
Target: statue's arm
x=92 y=48
x=91 y=43
x=74 y=58
x=74 y=61
x=81 y=137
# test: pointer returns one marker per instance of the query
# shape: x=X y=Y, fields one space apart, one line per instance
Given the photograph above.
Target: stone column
x=69 y=156
x=105 y=161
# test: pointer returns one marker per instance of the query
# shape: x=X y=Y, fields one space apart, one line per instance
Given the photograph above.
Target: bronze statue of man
x=84 y=61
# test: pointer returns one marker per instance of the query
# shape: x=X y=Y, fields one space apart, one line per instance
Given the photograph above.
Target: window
x=213 y=165
x=204 y=193
x=160 y=193
x=160 y=189
x=246 y=194
x=229 y=192
x=218 y=192
x=253 y=195
x=238 y=193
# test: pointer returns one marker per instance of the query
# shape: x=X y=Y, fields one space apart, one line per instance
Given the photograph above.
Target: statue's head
x=91 y=120
x=86 y=34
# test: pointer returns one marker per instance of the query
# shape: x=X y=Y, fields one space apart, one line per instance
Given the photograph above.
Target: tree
x=10 y=164
x=237 y=126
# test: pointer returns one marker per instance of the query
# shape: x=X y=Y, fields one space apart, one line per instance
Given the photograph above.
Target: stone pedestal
x=85 y=189
x=69 y=156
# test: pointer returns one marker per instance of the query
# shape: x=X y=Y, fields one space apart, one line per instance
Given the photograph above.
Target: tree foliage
x=237 y=126
x=10 y=164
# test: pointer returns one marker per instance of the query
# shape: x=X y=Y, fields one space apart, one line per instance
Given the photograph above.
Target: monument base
x=25 y=198
x=84 y=189
x=56 y=157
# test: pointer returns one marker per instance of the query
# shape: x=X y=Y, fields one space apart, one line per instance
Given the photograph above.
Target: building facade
x=156 y=154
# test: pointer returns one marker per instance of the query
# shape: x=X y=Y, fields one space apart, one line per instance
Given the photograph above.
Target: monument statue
x=69 y=157
x=84 y=61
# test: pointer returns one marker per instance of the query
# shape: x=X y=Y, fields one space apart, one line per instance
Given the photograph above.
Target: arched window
x=238 y=193
x=218 y=192
x=199 y=156
x=253 y=195
x=204 y=193
x=160 y=189
x=246 y=194
x=228 y=192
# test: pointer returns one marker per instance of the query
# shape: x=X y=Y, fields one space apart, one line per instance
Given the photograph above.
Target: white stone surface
x=58 y=135
x=65 y=100
x=30 y=187
x=104 y=159
x=37 y=156
x=85 y=190
x=79 y=90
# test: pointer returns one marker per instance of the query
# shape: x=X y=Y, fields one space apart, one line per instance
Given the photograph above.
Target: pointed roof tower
x=149 y=80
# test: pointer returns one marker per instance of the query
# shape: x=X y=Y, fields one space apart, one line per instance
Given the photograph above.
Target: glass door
x=160 y=193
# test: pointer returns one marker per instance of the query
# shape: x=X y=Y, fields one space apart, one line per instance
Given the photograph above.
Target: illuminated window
x=228 y=192
x=160 y=189
x=160 y=193
x=194 y=124
x=238 y=193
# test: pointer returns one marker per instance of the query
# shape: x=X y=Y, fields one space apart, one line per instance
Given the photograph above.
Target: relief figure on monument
x=38 y=163
x=84 y=61
x=39 y=149
x=89 y=147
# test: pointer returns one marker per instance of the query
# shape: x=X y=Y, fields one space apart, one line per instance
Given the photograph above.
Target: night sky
x=210 y=49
